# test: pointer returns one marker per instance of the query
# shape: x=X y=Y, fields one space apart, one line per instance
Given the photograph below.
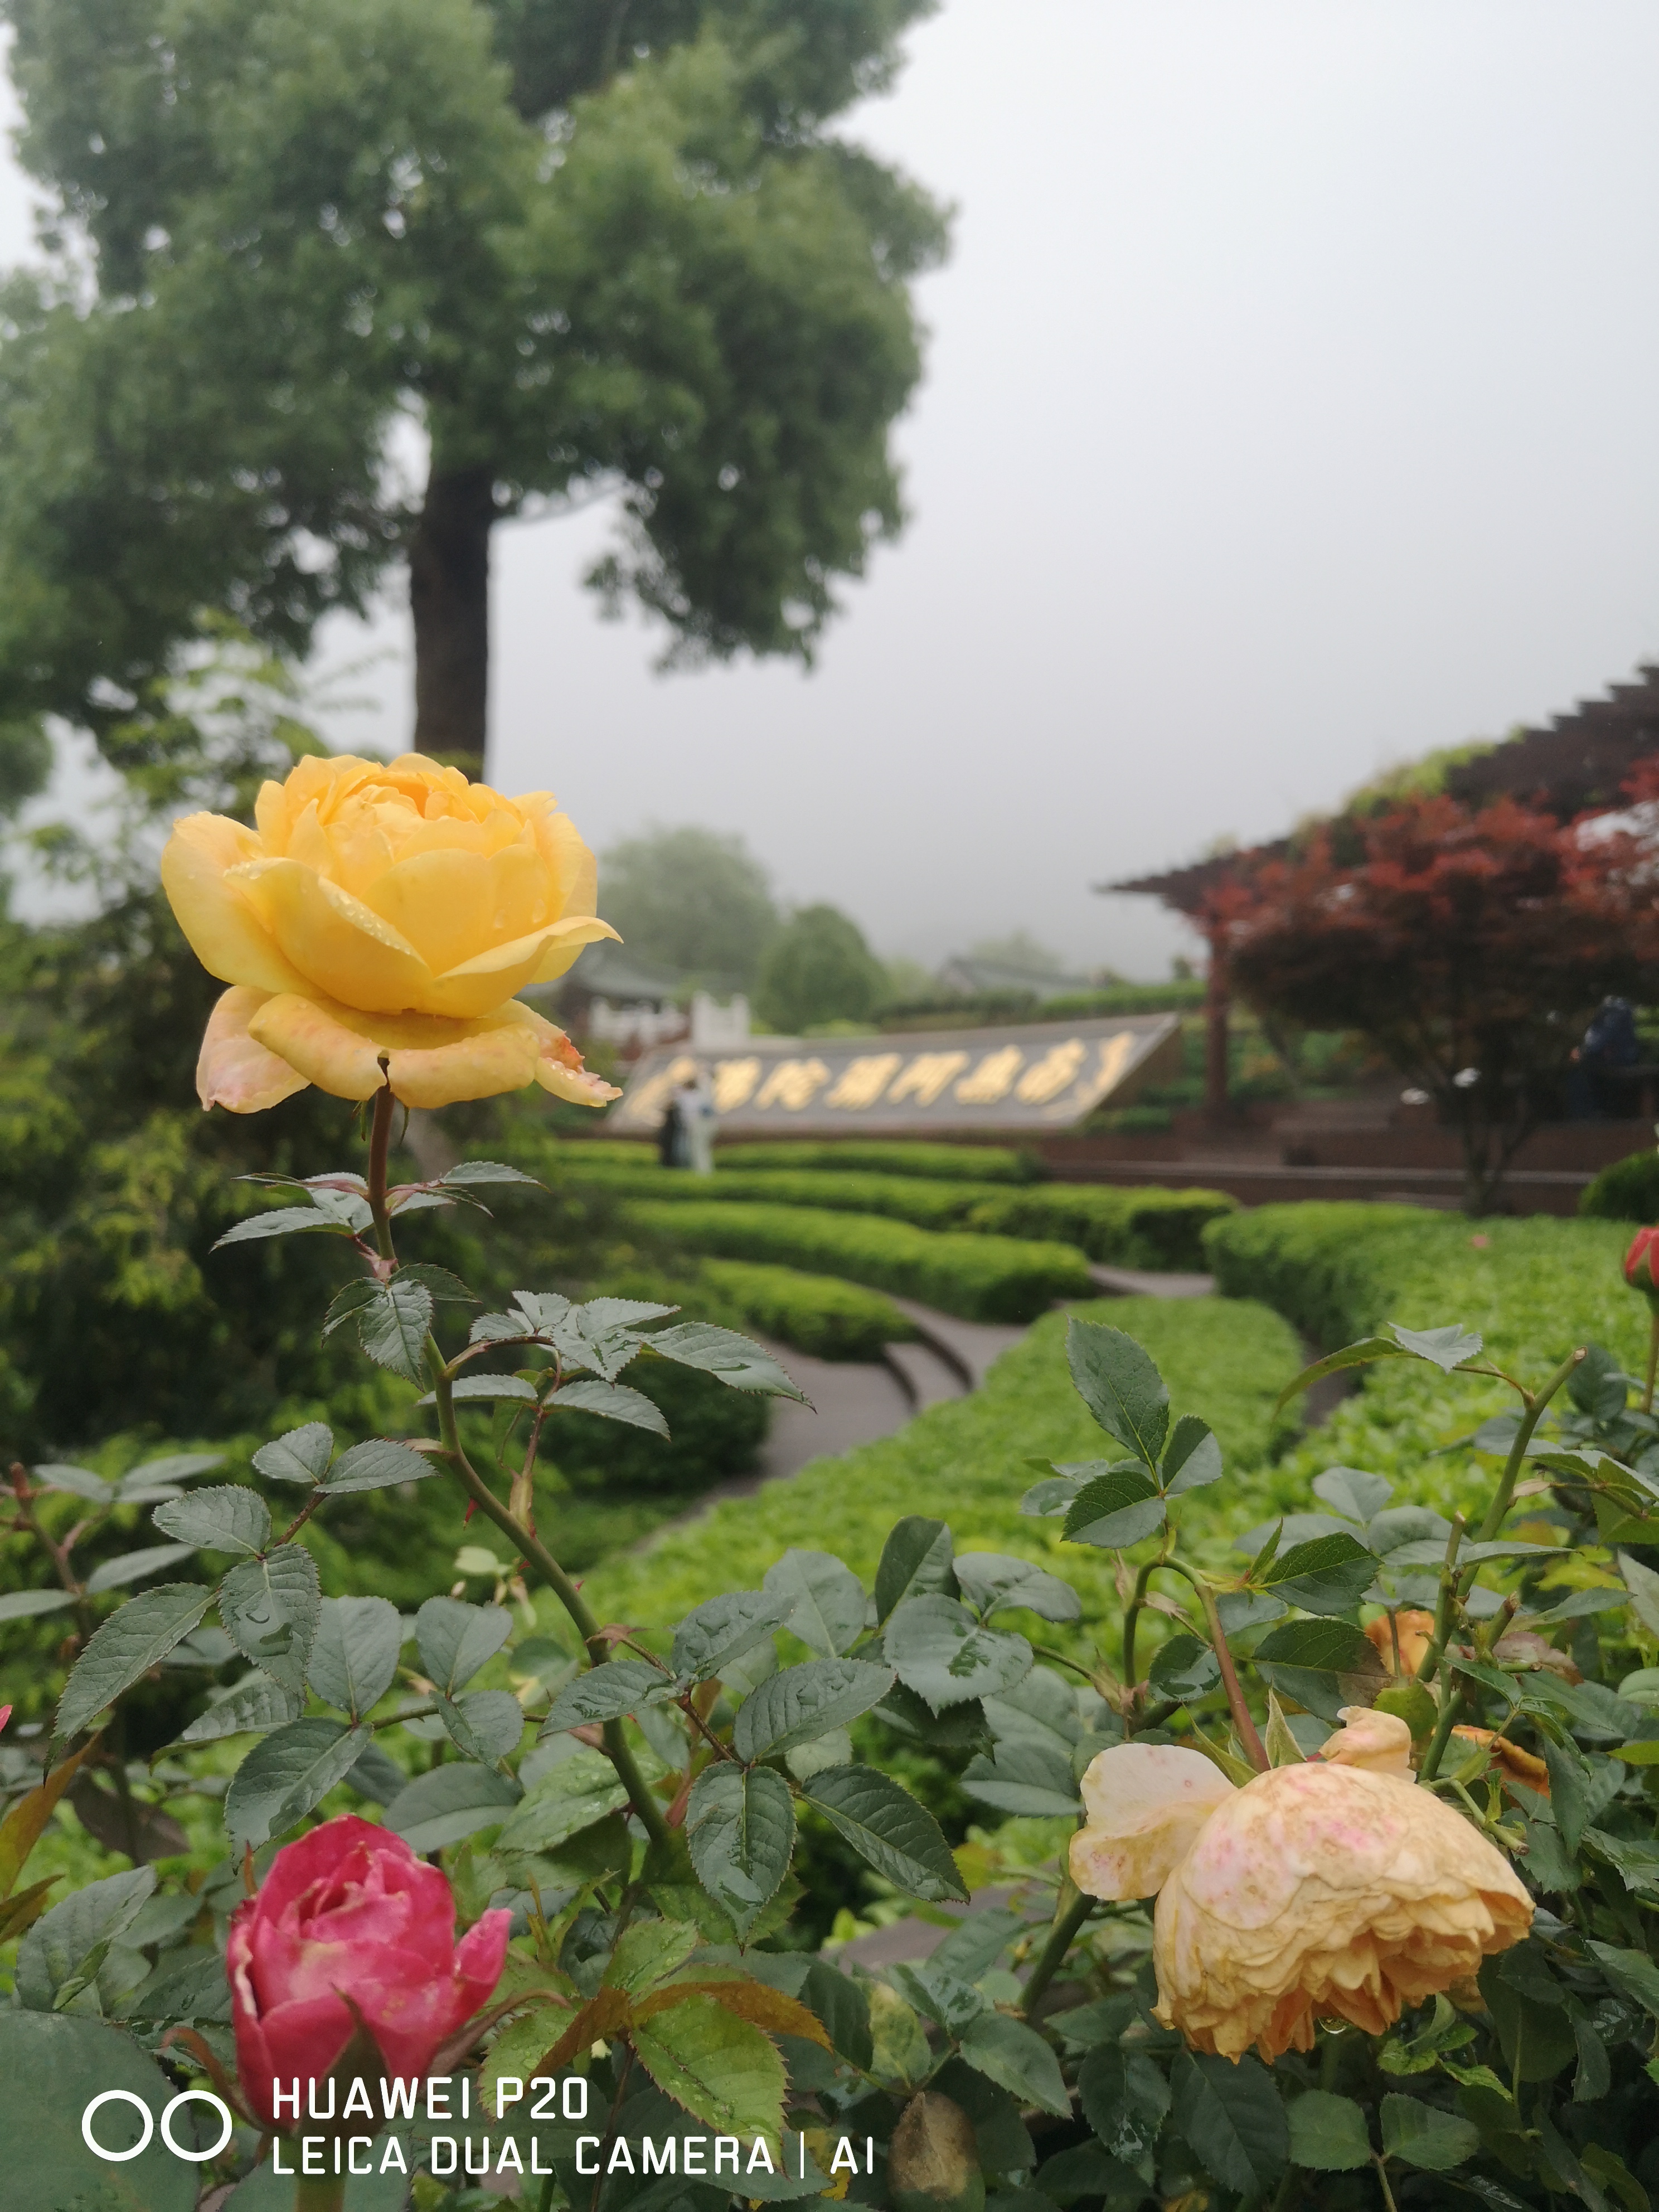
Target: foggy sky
x=1291 y=407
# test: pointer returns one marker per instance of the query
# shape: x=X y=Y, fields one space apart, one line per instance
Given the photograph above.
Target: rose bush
x=382 y=917
x=349 y=1929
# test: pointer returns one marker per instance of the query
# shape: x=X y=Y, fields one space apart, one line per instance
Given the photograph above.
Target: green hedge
x=1127 y=1227
x=981 y=1277
x=944 y=1162
x=1627 y=1191
x=818 y=1314
x=1533 y=1288
x=964 y=1461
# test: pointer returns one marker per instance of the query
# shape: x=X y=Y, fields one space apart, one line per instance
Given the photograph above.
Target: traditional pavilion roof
x=1573 y=762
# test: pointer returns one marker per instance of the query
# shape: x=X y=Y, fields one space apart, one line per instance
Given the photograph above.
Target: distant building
x=986 y=979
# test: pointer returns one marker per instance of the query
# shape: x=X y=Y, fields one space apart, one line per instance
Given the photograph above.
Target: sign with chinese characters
x=1036 y=1075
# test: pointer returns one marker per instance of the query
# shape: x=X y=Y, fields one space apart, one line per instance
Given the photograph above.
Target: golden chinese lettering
x=927 y=1076
x=862 y=1081
x=1115 y=1053
x=991 y=1079
x=793 y=1084
x=647 y=1103
x=733 y=1081
x=1050 y=1076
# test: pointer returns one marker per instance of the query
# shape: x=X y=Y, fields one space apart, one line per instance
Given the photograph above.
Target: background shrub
x=948 y=1163
x=1626 y=1191
x=817 y=1314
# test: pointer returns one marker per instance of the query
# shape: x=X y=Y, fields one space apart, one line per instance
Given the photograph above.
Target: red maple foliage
x=1470 y=946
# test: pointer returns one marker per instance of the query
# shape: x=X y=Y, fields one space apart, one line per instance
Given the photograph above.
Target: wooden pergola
x=1575 y=763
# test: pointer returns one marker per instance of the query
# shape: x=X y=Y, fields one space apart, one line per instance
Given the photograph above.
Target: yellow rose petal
x=234 y=1070
x=429 y=1061
x=225 y=931
x=1143 y=1804
x=337 y=943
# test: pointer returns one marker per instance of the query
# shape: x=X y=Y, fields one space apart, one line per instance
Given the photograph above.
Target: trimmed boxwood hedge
x=819 y=1314
x=1128 y=1228
x=1627 y=1191
x=903 y=1157
x=980 y=1278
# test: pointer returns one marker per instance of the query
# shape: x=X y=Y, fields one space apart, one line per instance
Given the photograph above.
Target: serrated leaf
x=474 y=1387
x=451 y=1802
x=1444 y=1348
x=393 y=1326
x=607 y=1692
x=940 y=1651
x=252 y=1706
x=568 y=1798
x=1368 y=1348
x=353 y=1656
x=287 y=1775
x=1633 y=1973
x=825 y=1598
x=993 y=1582
x=1121 y=1386
x=1192 y=1459
x=301 y=1456
x=25 y=1823
x=1116 y=1508
x=75 y=1482
x=1643 y=1583
x=1125 y=2100
x=1323 y=1664
x=66 y=1946
x=484 y=1725
x=610 y=1401
x=722 y=1352
x=1352 y=1494
x=1017 y=2059
x=280 y=1221
x=448 y=1289
x=136 y=1566
x=478 y=1174
x=1026 y=1777
x=230 y=1517
x=269 y=1607
x=1329 y=1575
x=722 y=1629
x=889 y=1829
x=378 y=1464
x=740 y=1827
x=1327 y=2133
x=915 y=1561
x=1425 y=2137
x=802 y=1702
x=455 y=1639
x=1184 y=1668
x=648 y=1953
x=724 y=2071
x=1231 y=2117
x=128 y=1644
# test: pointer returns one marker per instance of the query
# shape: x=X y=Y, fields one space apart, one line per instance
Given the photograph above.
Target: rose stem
x=1071 y=1912
x=1498 y=1511
x=1430 y=1765
x=1653 y=1363
x=1254 y=1748
x=1428 y=1666
x=1132 y=1613
x=534 y=1552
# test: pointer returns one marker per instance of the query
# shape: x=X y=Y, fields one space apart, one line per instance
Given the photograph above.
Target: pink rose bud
x=5 y=1715
x=349 y=1917
x=1639 y=1264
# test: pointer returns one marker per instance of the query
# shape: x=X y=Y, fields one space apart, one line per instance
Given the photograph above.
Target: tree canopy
x=691 y=901
x=819 y=969
x=577 y=243
x=1470 y=945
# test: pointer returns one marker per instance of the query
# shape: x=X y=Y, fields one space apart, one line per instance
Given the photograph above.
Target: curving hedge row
x=979 y=1277
x=819 y=1314
x=902 y=1156
x=1128 y=1228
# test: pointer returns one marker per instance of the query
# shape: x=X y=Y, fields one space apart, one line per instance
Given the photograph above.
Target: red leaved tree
x=1471 y=947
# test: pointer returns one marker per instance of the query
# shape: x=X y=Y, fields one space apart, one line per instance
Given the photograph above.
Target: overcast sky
x=1292 y=407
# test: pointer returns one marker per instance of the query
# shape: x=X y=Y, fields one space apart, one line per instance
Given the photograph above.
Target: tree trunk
x=1217 y=1105
x=449 y=597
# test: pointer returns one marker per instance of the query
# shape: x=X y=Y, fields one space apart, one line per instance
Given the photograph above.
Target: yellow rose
x=384 y=914
x=1333 y=1889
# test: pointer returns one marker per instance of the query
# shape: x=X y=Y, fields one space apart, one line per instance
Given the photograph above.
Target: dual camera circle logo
x=131 y=2097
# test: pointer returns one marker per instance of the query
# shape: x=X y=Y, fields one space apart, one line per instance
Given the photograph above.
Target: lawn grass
x=965 y=1462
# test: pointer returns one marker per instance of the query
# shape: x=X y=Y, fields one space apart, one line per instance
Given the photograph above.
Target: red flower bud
x=1639 y=1265
x=349 y=1923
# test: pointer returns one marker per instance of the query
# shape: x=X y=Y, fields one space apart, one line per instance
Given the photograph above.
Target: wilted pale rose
x=350 y=1924
x=1335 y=1888
x=384 y=913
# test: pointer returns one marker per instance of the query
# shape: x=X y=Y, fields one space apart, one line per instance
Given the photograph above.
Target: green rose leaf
x=60 y=1957
x=1192 y=1458
x=287 y=1775
x=449 y=1804
x=377 y=1465
x=740 y=1827
x=826 y=1600
x=1232 y=2119
x=354 y=1656
x=800 y=1703
x=993 y=1581
x=230 y=1517
x=723 y=1629
x=1185 y=1669
x=52 y=2066
x=136 y=1566
x=1016 y=2058
x=270 y=1609
x=1328 y=1575
x=568 y=1798
x=721 y=1352
x=940 y=1651
x=724 y=2070
x=888 y=1828
x=254 y=1706
x=915 y=1561
x=1328 y=2134
x=611 y=1401
x=301 y=1456
x=1125 y=2100
x=127 y=1645
x=1120 y=1385
x=606 y=1693
x=1115 y=1509
x=1323 y=1664
x=1425 y=2136
x=485 y=1725
x=455 y=1639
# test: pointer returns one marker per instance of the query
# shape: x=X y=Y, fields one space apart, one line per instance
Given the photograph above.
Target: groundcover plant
x=1346 y=1891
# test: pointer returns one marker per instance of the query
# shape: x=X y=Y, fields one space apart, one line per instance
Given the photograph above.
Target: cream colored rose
x=384 y=913
x=1334 y=1889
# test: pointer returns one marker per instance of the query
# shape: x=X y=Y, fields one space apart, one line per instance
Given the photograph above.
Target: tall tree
x=579 y=244
x=692 y=901
x=819 y=969
x=1471 y=946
